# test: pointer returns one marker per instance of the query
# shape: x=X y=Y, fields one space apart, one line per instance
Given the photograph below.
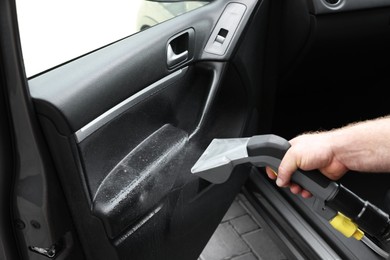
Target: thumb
x=287 y=167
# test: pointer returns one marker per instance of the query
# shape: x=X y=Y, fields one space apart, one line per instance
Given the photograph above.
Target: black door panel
x=125 y=126
x=133 y=174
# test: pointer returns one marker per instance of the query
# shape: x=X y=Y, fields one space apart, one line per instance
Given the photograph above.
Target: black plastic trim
x=323 y=6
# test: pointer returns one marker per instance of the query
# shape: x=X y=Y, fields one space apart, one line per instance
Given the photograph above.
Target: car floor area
x=240 y=237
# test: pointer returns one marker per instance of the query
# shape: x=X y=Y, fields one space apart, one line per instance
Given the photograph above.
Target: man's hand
x=308 y=152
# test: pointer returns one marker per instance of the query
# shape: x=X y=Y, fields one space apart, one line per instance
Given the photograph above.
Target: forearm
x=363 y=146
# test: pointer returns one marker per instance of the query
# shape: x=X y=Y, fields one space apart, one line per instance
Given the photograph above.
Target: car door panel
x=124 y=130
x=149 y=162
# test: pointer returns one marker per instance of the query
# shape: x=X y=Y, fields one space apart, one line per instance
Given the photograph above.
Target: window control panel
x=225 y=29
x=221 y=36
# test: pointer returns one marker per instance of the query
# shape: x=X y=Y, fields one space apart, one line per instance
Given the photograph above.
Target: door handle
x=180 y=48
x=175 y=58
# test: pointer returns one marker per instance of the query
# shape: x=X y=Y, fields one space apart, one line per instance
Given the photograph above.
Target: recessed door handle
x=175 y=58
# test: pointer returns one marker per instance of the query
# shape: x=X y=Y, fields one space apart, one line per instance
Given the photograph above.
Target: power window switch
x=219 y=39
x=221 y=36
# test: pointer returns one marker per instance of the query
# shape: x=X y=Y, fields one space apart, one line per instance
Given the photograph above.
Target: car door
x=102 y=145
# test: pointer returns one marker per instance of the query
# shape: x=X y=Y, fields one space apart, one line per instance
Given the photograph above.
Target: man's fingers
x=306 y=194
x=271 y=174
x=295 y=188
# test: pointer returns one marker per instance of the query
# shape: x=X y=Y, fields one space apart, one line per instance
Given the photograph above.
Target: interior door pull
x=180 y=48
x=175 y=58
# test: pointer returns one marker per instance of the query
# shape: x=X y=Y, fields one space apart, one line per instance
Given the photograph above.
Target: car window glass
x=54 y=32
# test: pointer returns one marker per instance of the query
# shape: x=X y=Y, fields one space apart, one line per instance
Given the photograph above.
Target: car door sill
x=285 y=225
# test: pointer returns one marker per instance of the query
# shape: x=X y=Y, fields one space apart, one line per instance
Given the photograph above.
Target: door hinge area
x=50 y=252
